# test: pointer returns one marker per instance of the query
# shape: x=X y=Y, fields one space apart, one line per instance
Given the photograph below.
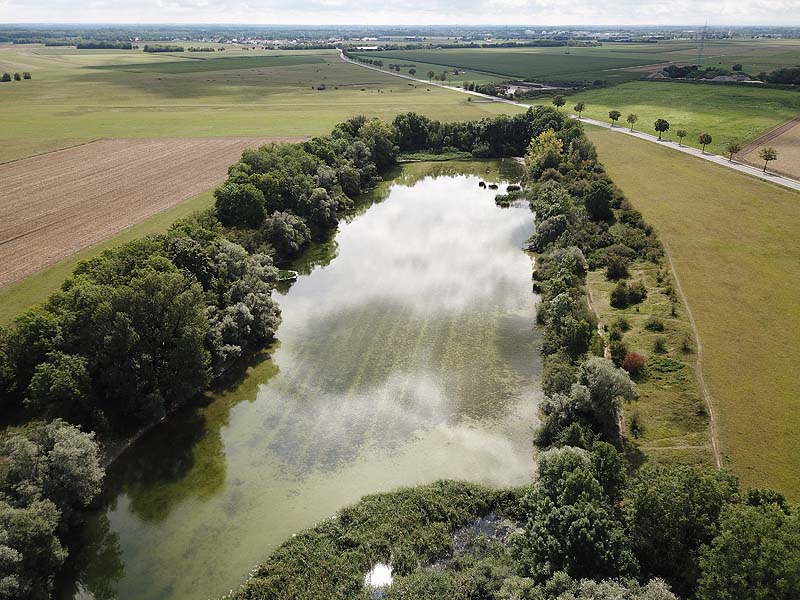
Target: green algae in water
x=407 y=354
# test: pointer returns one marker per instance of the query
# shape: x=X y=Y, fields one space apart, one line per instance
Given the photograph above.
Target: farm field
x=733 y=240
x=786 y=140
x=57 y=204
x=612 y=63
x=726 y=112
x=77 y=96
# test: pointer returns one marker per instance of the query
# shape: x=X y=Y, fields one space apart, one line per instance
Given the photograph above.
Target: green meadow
x=733 y=240
x=77 y=96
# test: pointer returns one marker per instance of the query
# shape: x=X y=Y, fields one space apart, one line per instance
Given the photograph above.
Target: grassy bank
x=733 y=241
x=668 y=423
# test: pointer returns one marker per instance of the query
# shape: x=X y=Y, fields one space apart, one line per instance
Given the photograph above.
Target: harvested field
x=55 y=204
x=786 y=140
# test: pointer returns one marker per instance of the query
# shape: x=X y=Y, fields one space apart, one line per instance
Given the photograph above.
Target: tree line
x=661 y=126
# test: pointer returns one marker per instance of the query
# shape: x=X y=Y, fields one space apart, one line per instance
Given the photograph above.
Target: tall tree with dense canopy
x=674 y=512
x=614 y=115
x=558 y=102
x=661 y=126
x=755 y=555
x=704 y=140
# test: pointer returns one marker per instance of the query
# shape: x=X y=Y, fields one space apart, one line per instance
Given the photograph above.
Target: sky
x=406 y=12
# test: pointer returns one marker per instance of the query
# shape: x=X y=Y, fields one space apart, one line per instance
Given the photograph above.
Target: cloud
x=331 y=12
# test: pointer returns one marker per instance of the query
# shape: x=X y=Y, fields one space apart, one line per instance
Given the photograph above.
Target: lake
x=407 y=353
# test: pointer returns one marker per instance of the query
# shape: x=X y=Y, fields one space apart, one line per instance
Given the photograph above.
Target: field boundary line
x=701 y=382
x=46 y=152
x=743 y=168
x=770 y=135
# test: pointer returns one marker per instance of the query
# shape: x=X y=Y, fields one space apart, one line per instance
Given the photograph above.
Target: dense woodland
x=142 y=329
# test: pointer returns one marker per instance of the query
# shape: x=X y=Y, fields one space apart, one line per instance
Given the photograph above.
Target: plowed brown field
x=786 y=140
x=56 y=204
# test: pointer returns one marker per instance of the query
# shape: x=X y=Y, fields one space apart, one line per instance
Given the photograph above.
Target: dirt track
x=56 y=204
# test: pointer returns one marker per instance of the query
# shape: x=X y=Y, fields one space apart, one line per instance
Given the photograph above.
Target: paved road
x=720 y=160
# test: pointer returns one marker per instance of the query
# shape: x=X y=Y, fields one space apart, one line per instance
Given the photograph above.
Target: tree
x=705 y=139
x=240 y=205
x=767 y=154
x=632 y=118
x=412 y=72
x=732 y=148
x=17 y=77
x=598 y=201
x=579 y=108
x=558 y=101
x=287 y=233
x=661 y=126
x=681 y=133
x=430 y=75
x=26 y=75
x=53 y=461
x=674 y=512
x=755 y=555
x=571 y=525
x=614 y=115
x=6 y=77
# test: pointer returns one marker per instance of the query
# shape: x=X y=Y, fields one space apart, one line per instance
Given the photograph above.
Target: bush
x=637 y=292
x=6 y=77
x=654 y=324
x=619 y=295
x=26 y=75
x=621 y=324
x=660 y=346
x=618 y=352
x=17 y=77
x=634 y=363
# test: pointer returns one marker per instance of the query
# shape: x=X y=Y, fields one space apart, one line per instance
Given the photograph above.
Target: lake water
x=407 y=353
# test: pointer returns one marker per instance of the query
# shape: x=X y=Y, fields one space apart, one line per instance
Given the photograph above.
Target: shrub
x=637 y=292
x=619 y=295
x=686 y=344
x=634 y=363
x=26 y=75
x=618 y=352
x=615 y=335
x=654 y=324
x=621 y=323
x=6 y=77
x=636 y=425
x=17 y=77
x=660 y=346
x=617 y=266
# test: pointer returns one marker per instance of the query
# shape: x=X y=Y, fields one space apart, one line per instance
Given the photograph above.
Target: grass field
x=734 y=243
x=670 y=414
x=78 y=96
x=726 y=112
